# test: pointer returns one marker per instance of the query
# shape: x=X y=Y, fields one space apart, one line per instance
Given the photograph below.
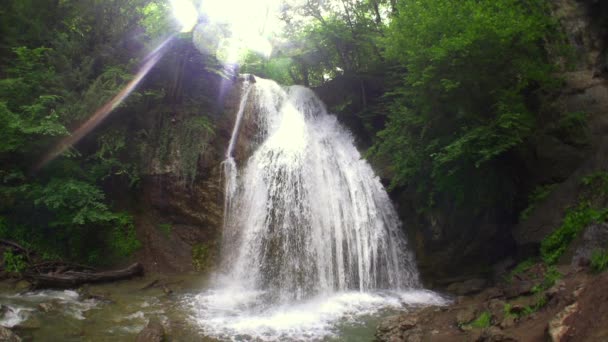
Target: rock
x=492 y=292
x=518 y=288
x=33 y=322
x=7 y=335
x=507 y=322
x=4 y=309
x=46 y=307
x=153 y=332
x=557 y=328
x=467 y=287
x=497 y=309
x=22 y=285
x=494 y=334
x=594 y=237
x=554 y=290
x=400 y=328
x=465 y=315
x=167 y=290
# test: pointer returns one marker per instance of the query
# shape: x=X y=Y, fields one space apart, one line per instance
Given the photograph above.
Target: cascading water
x=310 y=235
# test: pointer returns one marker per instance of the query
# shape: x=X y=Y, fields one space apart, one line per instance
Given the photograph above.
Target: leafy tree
x=463 y=107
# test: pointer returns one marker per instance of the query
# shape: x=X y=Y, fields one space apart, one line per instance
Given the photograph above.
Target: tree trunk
x=73 y=279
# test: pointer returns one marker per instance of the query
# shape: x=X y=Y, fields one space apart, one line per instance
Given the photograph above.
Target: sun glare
x=185 y=13
x=251 y=23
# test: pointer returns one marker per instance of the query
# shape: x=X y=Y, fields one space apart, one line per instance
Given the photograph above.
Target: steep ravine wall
x=178 y=205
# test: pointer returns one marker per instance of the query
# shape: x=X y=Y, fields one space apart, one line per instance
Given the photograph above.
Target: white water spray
x=307 y=223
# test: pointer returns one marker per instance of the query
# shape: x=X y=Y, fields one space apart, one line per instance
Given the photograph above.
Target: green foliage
x=62 y=60
x=108 y=161
x=483 y=321
x=599 y=260
x=190 y=136
x=276 y=68
x=123 y=238
x=539 y=194
x=541 y=302
x=597 y=184
x=14 y=263
x=200 y=256
x=521 y=268
x=576 y=219
x=165 y=228
x=551 y=276
x=462 y=107
x=573 y=128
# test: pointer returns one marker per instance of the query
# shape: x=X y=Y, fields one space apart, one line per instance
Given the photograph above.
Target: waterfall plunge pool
x=118 y=311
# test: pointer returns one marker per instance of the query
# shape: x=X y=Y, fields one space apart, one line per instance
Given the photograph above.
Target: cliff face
x=585 y=90
x=178 y=203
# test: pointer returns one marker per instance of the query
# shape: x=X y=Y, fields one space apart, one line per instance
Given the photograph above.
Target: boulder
x=467 y=287
x=594 y=237
x=465 y=315
x=557 y=327
x=22 y=286
x=7 y=335
x=497 y=309
x=494 y=334
x=518 y=288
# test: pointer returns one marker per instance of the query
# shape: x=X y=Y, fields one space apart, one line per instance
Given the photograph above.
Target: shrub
x=599 y=261
x=554 y=245
x=483 y=321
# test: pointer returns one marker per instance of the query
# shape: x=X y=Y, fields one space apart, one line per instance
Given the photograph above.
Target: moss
x=165 y=228
x=541 y=302
x=200 y=256
x=537 y=196
x=554 y=245
x=520 y=268
x=483 y=321
x=183 y=140
x=599 y=260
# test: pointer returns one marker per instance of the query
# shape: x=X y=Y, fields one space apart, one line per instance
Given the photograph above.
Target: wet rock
x=465 y=315
x=22 y=285
x=507 y=322
x=4 y=309
x=518 y=288
x=46 y=307
x=167 y=290
x=7 y=335
x=492 y=292
x=557 y=327
x=153 y=332
x=497 y=309
x=32 y=323
x=467 y=287
x=494 y=334
x=400 y=328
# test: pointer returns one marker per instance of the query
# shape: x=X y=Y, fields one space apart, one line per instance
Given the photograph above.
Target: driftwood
x=70 y=279
x=58 y=267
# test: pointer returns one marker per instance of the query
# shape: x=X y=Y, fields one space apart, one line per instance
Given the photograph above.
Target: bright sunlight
x=250 y=24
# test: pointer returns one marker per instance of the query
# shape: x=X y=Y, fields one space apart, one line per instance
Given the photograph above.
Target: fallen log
x=71 y=279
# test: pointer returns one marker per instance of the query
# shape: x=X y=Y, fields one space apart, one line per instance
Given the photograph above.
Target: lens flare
x=107 y=108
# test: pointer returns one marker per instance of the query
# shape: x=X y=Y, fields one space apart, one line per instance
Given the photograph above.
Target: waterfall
x=306 y=221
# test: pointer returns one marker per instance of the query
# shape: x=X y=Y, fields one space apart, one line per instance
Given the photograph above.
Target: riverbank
x=532 y=303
